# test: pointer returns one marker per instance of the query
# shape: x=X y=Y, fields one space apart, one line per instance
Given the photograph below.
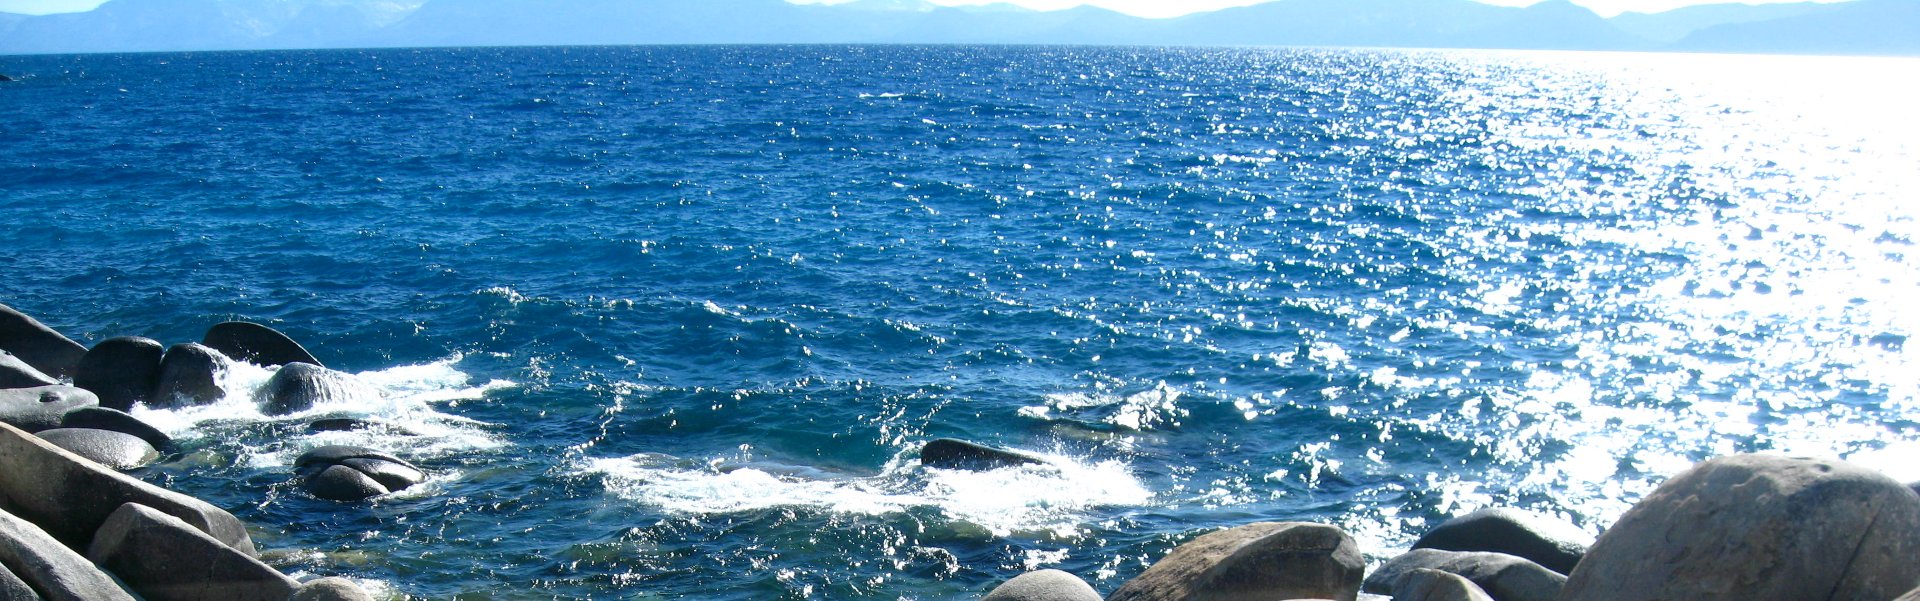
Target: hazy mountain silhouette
x=1859 y=26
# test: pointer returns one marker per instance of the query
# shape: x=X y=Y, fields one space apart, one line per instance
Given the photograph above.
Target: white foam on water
x=1141 y=411
x=405 y=397
x=1048 y=499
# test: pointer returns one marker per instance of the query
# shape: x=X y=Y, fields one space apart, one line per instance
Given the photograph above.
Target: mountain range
x=1889 y=27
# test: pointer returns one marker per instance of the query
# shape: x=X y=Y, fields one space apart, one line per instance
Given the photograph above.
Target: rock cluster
x=1743 y=527
x=73 y=527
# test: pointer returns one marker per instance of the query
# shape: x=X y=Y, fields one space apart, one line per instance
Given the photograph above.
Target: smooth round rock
x=189 y=377
x=116 y=450
x=1268 y=560
x=1043 y=585
x=38 y=345
x=1423 y=584
x=342 y=483
x=1504 y=577
x=256 y=344
x=122 y=371
x=16 y=373
x=43 y=408
x=102 y=418
x=298 y=387
x=1553 y=543
x=337 y=453
x=330 y=589
x=1759 y=528
x=395 y=475
x=962 y=455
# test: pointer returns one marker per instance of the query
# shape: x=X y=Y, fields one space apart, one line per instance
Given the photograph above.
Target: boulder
x=70 y=497
x=1504 y=577
x=347 y=473
x=256 y=344
x=349 y=424
x=1550 y=542
x=12 y=588
x=332 y=454
x=102 y=418
x=1912 y=595
x=330 y=589
x=299 y=386
x=15 y=373
x=189 y=377
x=116 y=450
x=38 y=345
x=165 y=559
x=53 y=571
x=1256 y=562
x=122 y=371
x=1422 y=584
x=36 y=409
x=1043 y=585
x=962 y=455
x=342 y=483
x=1759 y=528
x=395 y=475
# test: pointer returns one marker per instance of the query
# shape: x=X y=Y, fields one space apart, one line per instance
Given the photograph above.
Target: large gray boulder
x=116 y=450
x=1423 y=584
x=330 y=589
x=256 y=344
x=189 y=377
x=12 y=588
x=102 y=418
x=962 y=455
x=42 y=408
x=1256 y=562
x=50 y=568
x=1759 y=528
x=122 y=371
x=70 y=496
x=1550 y=542
x=15 y=373
x=38 y=345
x=348 y=473
x=298 y=387
x=165 y=559
x=1043 y=585
x=1504 y=577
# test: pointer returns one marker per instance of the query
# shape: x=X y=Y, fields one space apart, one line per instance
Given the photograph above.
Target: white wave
x=1141 y=411
x=1048 y=499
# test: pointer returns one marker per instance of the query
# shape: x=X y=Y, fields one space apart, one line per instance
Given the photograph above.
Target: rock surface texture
x=1256 y=562
x=1043 y=585
x=15 y=373
x=116 y=450
x=1760 y=528
x=189 y=377
x=962 y=455
x=50 y=568
x=38 y=345
x=256 y=344
x=42 y=408
x=121 y=371
x=1504 y=577
x=1550 y=542
x=165 y=559
x=70 y=496
x=1423 y=584
x=346 y=473
x=299 y=386
x=102 y=418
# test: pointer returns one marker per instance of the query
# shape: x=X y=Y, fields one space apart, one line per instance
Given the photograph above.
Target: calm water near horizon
x=674 y=321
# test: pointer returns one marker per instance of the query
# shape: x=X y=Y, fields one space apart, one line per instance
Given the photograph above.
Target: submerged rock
x=299 y=386
x=38 y=345
x=1552 y=543
x=256 y=344
x=962 y=455
x=102 y=418
x=122 y=371
x=42 y=408
x=1043 y=585
x=116 y=450
x=16 y=373
x=190 y=377
x=1504 y=577
x=348 y=473
x=1759 y=528
x=164 y=559
x=1268 y=560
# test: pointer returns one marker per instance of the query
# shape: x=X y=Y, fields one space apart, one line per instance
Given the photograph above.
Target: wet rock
x=1043 y=585
x=15 y=373
x=190 y=377
x=121 y=371
x=330 y=589
x=36 y=409
x=1553 y=543
x=102 y=418
x=347 y=473
x=1268 y=560
x=256 y=344
x=1759 y=528
x=1504 y=577
x=38 y=345
x=70 y=497
x=1423 y=584
x=299 y=386
x=352 y=424
x=116 y=450
x=962 y=455
x=50 y=568
x=164 y=559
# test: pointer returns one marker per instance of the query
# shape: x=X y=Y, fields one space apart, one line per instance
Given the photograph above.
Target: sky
x=1143 y=8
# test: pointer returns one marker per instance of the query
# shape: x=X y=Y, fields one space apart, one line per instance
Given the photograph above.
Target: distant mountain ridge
x=1852 y=27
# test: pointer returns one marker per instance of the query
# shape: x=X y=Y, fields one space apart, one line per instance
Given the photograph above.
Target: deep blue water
x=674 y=321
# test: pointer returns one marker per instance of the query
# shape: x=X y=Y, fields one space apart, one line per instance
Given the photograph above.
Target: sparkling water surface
x=674 y=321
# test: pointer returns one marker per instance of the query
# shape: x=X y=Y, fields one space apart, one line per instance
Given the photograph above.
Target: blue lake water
x=674 y=321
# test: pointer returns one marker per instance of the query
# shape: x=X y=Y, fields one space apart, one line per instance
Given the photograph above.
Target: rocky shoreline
x=73 y=526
